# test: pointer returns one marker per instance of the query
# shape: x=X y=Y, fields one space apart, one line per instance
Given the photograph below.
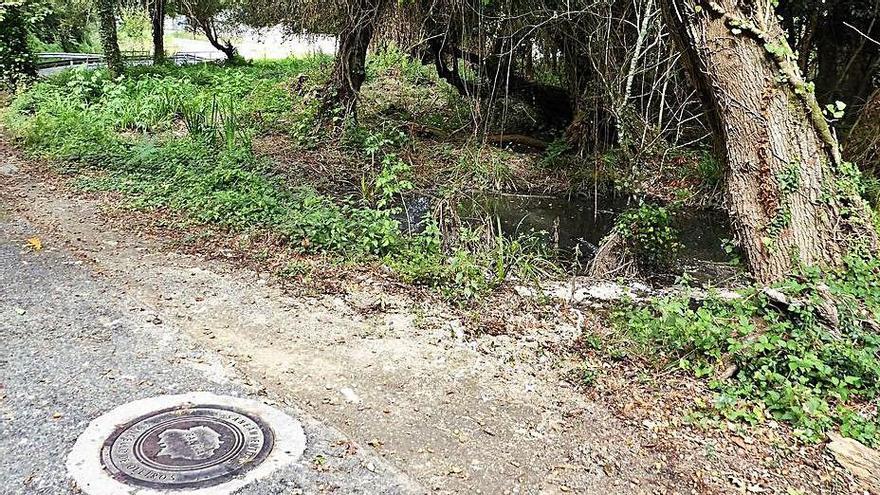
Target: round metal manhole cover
x=197 y=443
x=196 y=446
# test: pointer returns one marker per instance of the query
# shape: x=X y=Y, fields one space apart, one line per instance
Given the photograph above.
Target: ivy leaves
x=834 y=110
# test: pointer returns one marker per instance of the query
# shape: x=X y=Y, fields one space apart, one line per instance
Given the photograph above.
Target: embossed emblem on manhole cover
x=197 y=443
x=187 y=447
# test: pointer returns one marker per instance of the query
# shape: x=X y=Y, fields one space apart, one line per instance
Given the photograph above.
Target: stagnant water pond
x=572 y=225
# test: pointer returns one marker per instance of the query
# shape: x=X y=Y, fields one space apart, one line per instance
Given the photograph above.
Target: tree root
x=520 y=139
x=613 y=259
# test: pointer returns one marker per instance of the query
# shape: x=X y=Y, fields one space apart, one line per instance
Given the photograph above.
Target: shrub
x=648 y=233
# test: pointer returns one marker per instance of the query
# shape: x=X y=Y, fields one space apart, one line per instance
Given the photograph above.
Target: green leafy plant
x=732 y=250
x=785 y=361
x=559 y=154
x=648 y=231
x=835 y=110
x=392 y=180
x=709 y=169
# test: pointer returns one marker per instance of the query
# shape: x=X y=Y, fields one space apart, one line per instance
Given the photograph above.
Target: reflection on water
x=572 y=224
x=564 y=223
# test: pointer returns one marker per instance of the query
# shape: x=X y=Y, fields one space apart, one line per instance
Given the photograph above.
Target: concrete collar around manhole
x=197 y=443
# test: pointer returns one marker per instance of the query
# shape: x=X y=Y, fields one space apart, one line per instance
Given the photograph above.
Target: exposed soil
x=476 y=401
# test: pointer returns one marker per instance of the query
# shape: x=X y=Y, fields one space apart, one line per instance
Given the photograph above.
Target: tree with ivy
x=792 y=198
x=109 y=38
x=17 y=19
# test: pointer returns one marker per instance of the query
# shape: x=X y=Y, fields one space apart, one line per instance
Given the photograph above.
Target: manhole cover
x=187 y=447
x=197 y=443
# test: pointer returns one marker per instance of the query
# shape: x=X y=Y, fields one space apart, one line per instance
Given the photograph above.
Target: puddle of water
x=567 y=224
x=563 y=223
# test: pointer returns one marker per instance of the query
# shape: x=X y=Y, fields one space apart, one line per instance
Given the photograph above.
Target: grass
x=486 y=167
x=180 y=138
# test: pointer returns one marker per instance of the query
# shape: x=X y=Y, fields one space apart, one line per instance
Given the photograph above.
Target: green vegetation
x=615 y=112
x=70 y=26
x=17 y=19
x=810 y=359
x=181 y=139
x=648 y=233
x=91 y=44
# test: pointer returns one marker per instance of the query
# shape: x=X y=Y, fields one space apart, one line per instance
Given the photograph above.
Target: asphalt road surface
x=74 y=348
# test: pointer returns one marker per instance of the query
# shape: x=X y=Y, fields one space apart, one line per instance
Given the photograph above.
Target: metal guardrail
x=51 y=60
x=58 y=55
x=184 y=58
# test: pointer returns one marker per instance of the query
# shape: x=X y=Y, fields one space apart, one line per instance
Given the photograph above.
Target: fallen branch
x=493 y=139
x=521 y=139
x=826 y=311
x=861 y=461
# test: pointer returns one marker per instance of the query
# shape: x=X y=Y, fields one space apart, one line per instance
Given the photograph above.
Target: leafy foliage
x=180 y=139
x=18 y=18
x=648 y=232
x=790 y=364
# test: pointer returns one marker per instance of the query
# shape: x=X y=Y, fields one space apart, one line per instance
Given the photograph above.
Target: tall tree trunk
x=791 y=197
x=349 y=70
x=109 y=40
x=157 y=19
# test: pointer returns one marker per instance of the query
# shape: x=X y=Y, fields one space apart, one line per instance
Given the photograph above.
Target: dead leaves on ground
x=34 y=244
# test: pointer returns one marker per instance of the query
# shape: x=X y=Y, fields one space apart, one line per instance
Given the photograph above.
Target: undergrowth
x=648 y=232
x=784 y=362
x=180 y=138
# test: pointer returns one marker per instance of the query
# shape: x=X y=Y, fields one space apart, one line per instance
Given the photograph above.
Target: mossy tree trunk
x=349 y=70
x=791 y=197
x=109 y=39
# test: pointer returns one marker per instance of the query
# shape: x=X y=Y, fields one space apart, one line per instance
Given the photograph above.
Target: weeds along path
x=460 y=415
